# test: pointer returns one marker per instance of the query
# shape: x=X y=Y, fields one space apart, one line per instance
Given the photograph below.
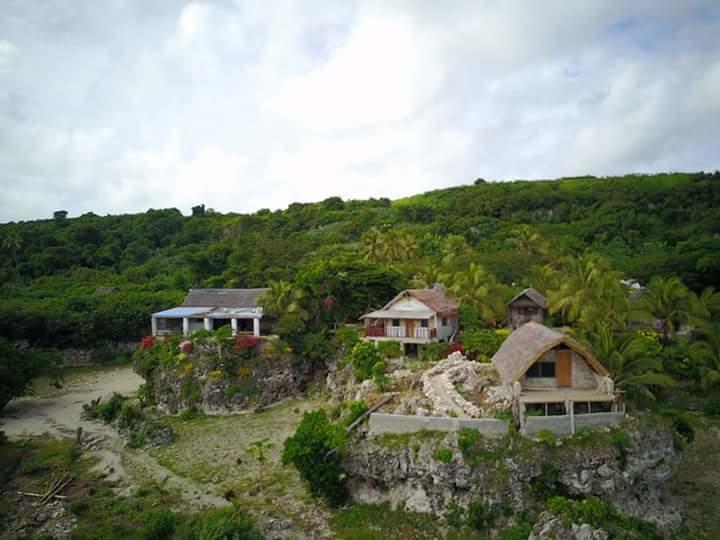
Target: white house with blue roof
x=211 y=309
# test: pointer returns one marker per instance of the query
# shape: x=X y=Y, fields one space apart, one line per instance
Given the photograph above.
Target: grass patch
x=380 y=522
x=401 y=440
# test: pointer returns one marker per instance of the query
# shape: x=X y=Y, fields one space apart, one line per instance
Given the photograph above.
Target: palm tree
x=706 y=353
x=668 y=301
x=283 y=299
x=454 y=246
x=528 y=241
x=375 y=245
x=428 y=275
x=544 y=278
x=632 y=359
x=478 y=288
x=705 y=305
x=590 y=293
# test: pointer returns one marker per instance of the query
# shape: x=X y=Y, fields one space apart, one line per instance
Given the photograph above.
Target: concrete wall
x=561 y=425
x=400 y=423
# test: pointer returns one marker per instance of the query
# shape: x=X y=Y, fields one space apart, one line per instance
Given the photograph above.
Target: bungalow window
x=530 y=310
x=396 y=322
x=424 y=323
x=541 y=370
x=444 y=321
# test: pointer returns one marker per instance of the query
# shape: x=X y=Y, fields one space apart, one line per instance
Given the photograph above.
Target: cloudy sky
x=116 y=106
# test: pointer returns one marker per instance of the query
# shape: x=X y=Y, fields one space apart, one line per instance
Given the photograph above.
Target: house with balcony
x=211 y=309
x=414 y=317
x=528 y=305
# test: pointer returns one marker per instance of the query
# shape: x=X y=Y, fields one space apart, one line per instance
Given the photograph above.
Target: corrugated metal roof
x=180 y=312
x=229 y=298
x=230 y=313
x=399 y=314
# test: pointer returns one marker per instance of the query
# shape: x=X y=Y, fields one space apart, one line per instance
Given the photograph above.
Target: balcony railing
x=400 y=332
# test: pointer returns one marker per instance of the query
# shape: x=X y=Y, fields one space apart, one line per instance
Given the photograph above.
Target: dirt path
x=439 y=384
x=57 y=413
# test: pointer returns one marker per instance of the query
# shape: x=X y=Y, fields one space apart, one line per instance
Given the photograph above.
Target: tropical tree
x=706 y=305
x=428 y=275
x=389 y=245
x=283 y=299
x=454 y=246
x=477 y=288
x=706 y=353
x=633 y=359
x=544 y=278
x=590 y=293
x=669 y=301
x=528 y=241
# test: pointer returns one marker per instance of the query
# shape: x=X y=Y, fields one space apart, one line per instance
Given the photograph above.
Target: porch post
x=256 y=327
x=186 y=326
x=571 y=410
x=208 y=323
x=233 y=323
x=153 y=325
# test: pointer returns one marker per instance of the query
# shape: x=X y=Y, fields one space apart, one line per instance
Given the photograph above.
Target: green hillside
x=644 y=225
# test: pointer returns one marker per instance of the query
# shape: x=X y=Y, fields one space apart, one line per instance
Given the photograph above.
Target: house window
x=424 y=323
x=444 y=321
x=541 y=369
x=396 y=322
x=530 y=310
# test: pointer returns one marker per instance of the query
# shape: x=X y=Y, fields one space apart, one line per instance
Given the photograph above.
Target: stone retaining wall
x=400 y=423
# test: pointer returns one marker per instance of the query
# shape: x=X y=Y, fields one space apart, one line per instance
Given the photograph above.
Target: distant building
x=413 y=317
x=528 y=305
x=211 y=309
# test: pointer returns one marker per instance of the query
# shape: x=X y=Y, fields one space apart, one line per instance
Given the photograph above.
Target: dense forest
x=347 y=256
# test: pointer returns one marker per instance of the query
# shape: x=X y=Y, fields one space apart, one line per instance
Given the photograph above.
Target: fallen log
x=30 y=494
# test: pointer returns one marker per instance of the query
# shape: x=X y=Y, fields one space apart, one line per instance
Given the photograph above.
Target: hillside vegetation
x=663 y=225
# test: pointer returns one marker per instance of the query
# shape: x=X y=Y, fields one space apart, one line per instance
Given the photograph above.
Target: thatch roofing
x=228 y=298
x=532 y=294
x=527 y=344
x=432 y=298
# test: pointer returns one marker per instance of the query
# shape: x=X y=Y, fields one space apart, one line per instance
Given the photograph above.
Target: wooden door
x=410 y=326
x=563 y=367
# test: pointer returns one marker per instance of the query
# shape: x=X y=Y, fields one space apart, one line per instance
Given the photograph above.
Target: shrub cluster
x=313 y=449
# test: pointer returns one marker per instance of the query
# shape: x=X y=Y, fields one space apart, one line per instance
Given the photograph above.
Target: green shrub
x=455 y=515
x=190 y=413
x=317 y=346
x=621 y=442
x=479 y=517
x=107 y=411
x=546 y=437
x=345 y=338
x=517 y=532
x=3 y=438
x=130 y=416
x=363 y=358
x=481 y=345
x=712 y=408
x=600 y=514
x=355 y=410
x=390 y=349
x=443 y=454
x=432 y=352
x=312 y=449
x=159 y=524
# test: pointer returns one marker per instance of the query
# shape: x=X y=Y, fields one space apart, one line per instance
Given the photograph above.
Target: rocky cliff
x=426 y=472
x=218 y=381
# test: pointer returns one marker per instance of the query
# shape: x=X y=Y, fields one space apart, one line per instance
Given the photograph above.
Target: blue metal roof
x=180 y=312
x=210 y=312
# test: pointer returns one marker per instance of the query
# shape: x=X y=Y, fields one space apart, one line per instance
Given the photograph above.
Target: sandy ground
x=209 y=457
x=56 y=412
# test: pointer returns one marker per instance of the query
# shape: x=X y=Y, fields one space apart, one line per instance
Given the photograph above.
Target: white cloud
x=129 y=105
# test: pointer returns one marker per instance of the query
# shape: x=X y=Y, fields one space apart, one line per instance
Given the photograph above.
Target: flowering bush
x=247 y=345
x=454 y=347
x=186 y=346
x=147 y=342
x=216 y=374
